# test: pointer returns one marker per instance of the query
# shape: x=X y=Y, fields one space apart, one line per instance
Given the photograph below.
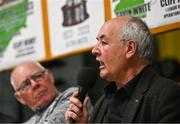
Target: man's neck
x=129 y=75
x=41 y=109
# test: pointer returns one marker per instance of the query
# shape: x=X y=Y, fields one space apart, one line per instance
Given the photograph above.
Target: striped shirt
x=55 y=113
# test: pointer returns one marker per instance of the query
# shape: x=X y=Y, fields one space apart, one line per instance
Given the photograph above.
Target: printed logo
x=13 y=14
x=132 y=7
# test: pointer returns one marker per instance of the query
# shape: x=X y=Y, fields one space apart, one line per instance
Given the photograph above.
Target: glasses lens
x=38 y=76
x=25 y=85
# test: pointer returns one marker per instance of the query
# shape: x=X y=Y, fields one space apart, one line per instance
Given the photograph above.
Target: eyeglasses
x=25 y=85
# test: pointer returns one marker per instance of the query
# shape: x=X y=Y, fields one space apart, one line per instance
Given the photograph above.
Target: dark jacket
x=155 y=99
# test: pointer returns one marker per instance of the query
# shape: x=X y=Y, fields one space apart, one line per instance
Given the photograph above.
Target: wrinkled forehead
x=105 y=30
x=113 y=25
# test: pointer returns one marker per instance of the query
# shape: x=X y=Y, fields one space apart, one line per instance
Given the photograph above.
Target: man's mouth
x=102 y=65
x=40 y=94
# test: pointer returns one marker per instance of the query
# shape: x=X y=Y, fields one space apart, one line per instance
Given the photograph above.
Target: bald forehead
x=122 y=19
x=113 y=27
x=27 y=66
x=115 y=24
x=118 y=21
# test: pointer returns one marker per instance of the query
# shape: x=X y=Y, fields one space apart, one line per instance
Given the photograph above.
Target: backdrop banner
x=21 y=32
x=74 y=24
x=155 y=13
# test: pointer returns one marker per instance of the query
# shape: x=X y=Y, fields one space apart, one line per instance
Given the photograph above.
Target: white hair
x=137 y=30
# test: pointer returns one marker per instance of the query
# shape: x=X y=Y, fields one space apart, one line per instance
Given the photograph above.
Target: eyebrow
x=101 y=37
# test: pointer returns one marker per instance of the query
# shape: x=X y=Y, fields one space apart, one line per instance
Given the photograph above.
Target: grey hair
x=11 y=77
x=136 y=29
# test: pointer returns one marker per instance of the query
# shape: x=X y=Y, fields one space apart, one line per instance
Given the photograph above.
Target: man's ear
x=131 y=49
x=51 y=76
x=19 y=98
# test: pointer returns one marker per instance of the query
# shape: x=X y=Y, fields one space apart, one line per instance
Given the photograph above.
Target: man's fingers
x=85 y=106
x=71 y=115
x=75 y=101
x=75 y=109
x=75 y=93
x=85 y=101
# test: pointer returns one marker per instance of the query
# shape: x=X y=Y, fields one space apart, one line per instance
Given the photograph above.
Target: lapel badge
x=136 y=101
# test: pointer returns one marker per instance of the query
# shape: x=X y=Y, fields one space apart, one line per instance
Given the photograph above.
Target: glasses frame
x=27 y=82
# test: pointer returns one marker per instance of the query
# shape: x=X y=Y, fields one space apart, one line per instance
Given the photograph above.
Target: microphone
x=85 y=79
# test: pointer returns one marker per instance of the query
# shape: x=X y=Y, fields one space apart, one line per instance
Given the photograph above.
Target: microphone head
x=87 y=77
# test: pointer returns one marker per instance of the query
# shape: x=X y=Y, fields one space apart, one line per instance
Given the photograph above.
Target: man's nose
x=95 y=50
x=34 y=83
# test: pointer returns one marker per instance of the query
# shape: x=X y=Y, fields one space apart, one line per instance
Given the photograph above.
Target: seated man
x=35 y=87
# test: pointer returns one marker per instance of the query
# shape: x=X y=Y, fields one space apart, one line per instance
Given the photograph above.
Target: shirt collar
x=128 y=88
x=40 y=110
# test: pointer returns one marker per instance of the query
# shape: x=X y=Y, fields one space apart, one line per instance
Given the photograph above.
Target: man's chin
x=103 y=75
x=41 y=102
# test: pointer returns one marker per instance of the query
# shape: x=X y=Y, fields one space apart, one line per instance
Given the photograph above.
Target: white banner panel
x=21 y=32
x=156 y=13
x=74 y=24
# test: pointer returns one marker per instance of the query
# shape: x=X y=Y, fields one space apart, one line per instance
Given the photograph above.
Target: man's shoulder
x=31 y=120
x=65 y=95
x=153 y=80
x=165 y=83
x=69 y=91
x=163 y=87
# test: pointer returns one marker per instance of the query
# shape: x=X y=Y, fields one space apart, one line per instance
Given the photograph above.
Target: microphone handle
x=82 y=93
x=72 y=121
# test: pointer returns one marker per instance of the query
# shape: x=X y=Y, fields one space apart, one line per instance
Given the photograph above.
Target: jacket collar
x=140 y=90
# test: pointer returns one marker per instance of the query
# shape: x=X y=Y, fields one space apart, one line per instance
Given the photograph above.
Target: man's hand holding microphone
x=77 y=111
